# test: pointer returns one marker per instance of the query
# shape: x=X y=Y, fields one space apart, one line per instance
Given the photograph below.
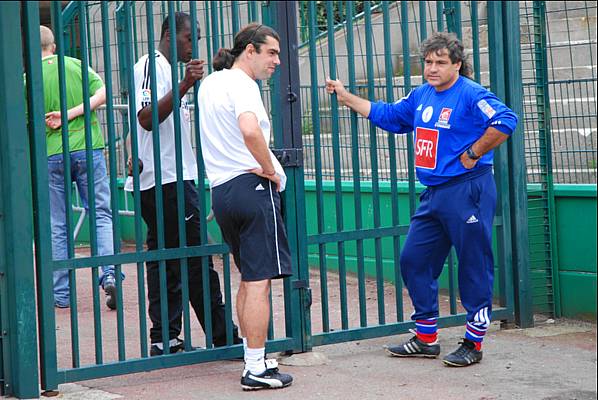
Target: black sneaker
x=110 y=290
x=414 y=348
x=465 y=355
x=179 y=346
x=269 y=379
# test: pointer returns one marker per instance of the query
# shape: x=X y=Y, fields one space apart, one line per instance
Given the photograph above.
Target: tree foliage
x=339 y=10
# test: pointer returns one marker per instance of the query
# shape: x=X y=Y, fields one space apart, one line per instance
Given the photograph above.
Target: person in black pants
x=173 y=270
x=168 y=181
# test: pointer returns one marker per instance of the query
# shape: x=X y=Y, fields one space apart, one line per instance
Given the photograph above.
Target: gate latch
x=302 y=284
x=289 y=157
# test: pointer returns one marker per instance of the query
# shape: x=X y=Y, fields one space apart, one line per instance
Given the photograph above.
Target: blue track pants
x=458 y=213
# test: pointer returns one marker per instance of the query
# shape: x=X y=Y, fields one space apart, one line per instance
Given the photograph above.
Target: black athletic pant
x=173 y=272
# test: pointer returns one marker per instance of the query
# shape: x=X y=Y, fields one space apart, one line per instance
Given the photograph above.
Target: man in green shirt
x=78 y=161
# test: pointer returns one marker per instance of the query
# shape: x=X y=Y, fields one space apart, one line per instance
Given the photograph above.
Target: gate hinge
x=289 y=157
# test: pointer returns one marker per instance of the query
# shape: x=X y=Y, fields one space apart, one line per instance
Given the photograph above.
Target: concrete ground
x=552 y=361
x=555 y=360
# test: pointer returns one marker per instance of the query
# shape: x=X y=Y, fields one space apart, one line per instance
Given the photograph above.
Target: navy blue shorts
x=247 y=208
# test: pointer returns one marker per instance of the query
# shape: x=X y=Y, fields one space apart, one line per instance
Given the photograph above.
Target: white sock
x=254 y=360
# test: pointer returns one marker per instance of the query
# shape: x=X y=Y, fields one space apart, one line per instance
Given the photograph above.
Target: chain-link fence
x=559 y=82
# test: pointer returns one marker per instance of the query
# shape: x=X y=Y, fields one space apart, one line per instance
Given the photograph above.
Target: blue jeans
x=58 y=213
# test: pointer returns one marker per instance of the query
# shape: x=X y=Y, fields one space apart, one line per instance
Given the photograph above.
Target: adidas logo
x=259 y=187
x=471 y=220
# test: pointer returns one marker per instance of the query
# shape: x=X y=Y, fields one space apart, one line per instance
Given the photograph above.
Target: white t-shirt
x=223 y=96
x=167 y=142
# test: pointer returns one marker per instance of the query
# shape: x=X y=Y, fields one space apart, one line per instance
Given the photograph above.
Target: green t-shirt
x=74 y=97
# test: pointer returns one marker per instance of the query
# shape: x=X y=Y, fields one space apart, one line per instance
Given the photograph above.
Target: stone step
x=568 y=9
x=571 y=29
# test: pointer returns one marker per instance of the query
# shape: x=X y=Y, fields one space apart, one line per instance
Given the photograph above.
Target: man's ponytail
x=224 y=59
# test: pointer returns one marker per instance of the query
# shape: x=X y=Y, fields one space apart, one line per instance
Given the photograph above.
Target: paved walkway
x=553 y=361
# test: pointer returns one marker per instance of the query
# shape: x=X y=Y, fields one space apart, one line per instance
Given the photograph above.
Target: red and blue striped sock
x=426 y=330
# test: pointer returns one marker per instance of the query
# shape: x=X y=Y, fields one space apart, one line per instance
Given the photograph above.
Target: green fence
x=370 y=45
x=559 y=52
x=575 y=265
x=559 y=82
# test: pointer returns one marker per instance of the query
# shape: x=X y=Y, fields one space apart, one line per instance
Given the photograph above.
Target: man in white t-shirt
x=246 y=178
x=147 y=183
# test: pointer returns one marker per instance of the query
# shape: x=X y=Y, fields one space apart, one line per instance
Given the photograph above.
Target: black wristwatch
x=471 y=154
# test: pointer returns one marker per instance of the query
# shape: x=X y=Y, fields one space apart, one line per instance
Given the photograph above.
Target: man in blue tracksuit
x=457 y=123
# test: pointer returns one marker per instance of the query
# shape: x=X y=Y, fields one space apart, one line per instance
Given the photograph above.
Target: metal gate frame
x=18 y=339
x=511 y=218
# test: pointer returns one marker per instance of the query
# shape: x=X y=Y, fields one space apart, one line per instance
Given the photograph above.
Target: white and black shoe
x=414 y=348
x=465 y=355
x=269 y=379
x=177 y=346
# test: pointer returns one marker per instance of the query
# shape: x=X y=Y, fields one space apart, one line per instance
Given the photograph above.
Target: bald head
x=46 y=39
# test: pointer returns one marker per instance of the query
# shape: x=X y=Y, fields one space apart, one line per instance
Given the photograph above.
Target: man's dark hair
x=439 y=41
x=179 y=20
x=253 y=33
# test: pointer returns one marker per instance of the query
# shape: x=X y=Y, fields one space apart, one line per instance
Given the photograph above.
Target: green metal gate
x=346 y=283
x=110 y=347
x=354 y=241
